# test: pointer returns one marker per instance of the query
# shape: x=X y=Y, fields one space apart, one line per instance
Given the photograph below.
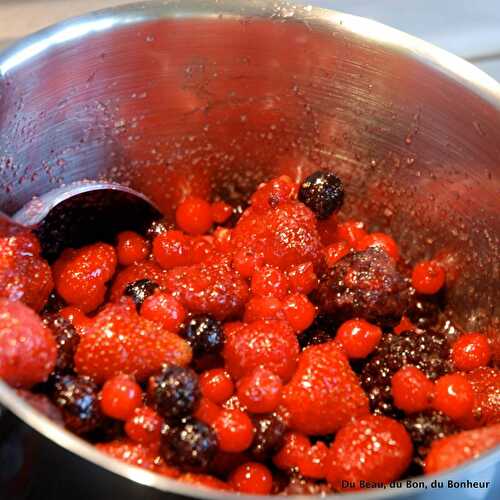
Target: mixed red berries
x=269 y=347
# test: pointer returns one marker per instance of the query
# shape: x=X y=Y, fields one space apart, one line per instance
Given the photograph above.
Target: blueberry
x=77 y=397
x=140 y=290
x=175 y=392
x=191 y=445
x=323 y=193
x=204 y=334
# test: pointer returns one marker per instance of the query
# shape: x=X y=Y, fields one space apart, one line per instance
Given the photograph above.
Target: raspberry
x=216 y=385
x=485 y=384
x=324 y=392
x=424 y=428
x=28 y=351
x=252 y=478
x=268 y=343
x=221 y=212
x=263 y=308
x=67 y=340
x=358 y=337
x=302 y=278
x=247 y=262
x=299 y=312
x=207 y=411
x=24 y=275
x=140 y=290
x=144 y=425
x=194 y=215
x=192 y=445
x=130 y=248
x=351 y=232
x=205 y=481
x=427 y=351
x=269 y=282
x=268 y=437
x=234 y=430
x=204 y=334
x=470 y=351
x=411 y=389
x=120 y=396
x=172 y=249
x=323 y=193
x=453 y=396
x=335 y=252
x=295 y=445
x=213 y=289
x=81 y=275
x=121 y=341
x=454 y=450
x=78 y=399
x=175 y=392
x=428 y=277
x=164 y=309
x=365 y=285
x=372 y=448
x=135 y=272
x=379 y=240
x=260 y=392
x=287 y=235
x=273 y=193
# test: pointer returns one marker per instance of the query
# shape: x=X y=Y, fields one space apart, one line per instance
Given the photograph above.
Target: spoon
x=81 y=213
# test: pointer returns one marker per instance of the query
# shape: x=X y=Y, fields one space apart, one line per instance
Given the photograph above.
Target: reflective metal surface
x=213 y=97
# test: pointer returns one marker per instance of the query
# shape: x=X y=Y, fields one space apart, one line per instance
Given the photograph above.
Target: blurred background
x=469 y=29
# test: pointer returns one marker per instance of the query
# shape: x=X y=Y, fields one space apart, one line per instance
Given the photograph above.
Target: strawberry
x=453 y=450
x=206 y=481
x=135 y=272
x=144 y=456
x=120 y=340
x=485 y=384
x=286 y=235
x=371 y=448
x=210 y=288
x=324 y=393
x=272 y=344
x=24 y=275
x=28 y=351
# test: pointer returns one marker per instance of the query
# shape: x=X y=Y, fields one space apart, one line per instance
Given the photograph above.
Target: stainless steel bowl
x=213 y=97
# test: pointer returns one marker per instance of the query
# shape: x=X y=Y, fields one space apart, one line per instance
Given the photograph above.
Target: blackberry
x=366 y=285
x=158 y=227
x=140 y=290
x=323 y=193
x=428 y=351
x=424 y=428
x=77 y=397
x=268 y=438
x=191 y=445
x=175 y=392
x=204 y=334
x=67 y=340
x=423 y=311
